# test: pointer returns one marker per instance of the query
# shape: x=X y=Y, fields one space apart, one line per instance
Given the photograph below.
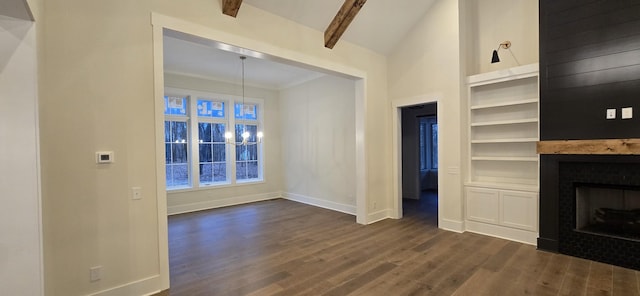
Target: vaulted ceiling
x=379 y=26
x=16 y=9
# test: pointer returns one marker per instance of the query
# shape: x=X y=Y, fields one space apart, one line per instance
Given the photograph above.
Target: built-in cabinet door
x=519 y=209
x=483 y=205
x=515 y=209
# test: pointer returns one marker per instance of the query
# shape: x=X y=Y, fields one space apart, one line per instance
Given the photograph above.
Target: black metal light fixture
x=505 y=45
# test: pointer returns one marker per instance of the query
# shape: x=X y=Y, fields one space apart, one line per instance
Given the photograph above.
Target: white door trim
x=396 y=130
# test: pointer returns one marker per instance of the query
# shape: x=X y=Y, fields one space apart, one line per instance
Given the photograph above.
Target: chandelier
x=229 y=136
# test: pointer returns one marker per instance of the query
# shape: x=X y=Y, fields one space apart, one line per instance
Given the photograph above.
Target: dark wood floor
x=282 y=247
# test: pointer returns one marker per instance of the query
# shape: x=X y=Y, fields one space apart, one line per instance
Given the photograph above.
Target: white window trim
x=230 y=120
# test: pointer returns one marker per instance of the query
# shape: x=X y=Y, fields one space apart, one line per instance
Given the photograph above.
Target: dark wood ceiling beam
x=341 y=21
x=231 y=7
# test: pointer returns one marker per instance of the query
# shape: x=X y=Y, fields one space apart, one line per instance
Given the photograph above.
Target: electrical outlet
x=136 y=193
x=95 y=273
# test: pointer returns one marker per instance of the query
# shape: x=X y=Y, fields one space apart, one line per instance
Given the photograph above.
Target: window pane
x=423 y=146
x=252 y=152
x=239 y=129
x=219 y=153
x=169 y=176
x=249 y=111
x=206 y=173
x=204 y=132
x=252 y=169
x=175 y=106
x=167 y=131
x=241 y=152
x=205 y=153
x=241 y=170
x=207 y=108
x=179 y=153
x=219 y=172
x=180 y=175
x=434 y=146
x=178 y=132
x=167 y=153
x=218 y=132
x=252 y=129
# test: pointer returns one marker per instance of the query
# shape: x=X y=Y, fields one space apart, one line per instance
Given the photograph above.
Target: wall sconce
x=505 y=45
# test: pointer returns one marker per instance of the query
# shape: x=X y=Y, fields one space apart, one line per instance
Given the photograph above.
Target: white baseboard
x=451 y=225
x=343 y=208
x=378 y=216
x=218 y=203
x=146 y=286
x=518 y=235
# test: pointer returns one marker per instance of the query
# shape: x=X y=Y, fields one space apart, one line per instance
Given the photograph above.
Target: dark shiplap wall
x=589 y=62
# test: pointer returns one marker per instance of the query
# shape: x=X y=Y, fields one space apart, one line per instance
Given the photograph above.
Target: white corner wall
x=490 y=22
x=193 y=200
x=20 y=223
x=427 y=65
x=318 y=143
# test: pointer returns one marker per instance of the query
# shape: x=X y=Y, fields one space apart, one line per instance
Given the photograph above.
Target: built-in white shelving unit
x=501 y=188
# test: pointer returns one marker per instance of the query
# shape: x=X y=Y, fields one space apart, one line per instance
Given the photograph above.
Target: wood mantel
x=603 y=147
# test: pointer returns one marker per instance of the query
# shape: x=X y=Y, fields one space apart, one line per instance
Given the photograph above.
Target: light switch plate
x=611 y=113
x=627 y=113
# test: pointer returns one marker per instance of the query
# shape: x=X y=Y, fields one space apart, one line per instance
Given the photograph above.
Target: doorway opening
x=176 y=28
x=419 y=141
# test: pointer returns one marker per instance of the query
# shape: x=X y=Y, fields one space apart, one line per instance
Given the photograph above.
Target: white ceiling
x=193 y=57
x=16 y=9
x=379 y=26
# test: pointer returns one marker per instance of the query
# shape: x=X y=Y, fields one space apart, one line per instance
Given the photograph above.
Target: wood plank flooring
x=282 y=248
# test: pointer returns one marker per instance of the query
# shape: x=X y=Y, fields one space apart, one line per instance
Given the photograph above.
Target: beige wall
x=98 y=94
x=490 y=22
x=428 y=64
x=191 y=200
x=318 y=127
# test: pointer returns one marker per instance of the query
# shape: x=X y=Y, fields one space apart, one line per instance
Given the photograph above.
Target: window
x=176 y=141
x=211 y=142
x=246 y=155
x=434 y=146
x=197 y=152
x=428 y=143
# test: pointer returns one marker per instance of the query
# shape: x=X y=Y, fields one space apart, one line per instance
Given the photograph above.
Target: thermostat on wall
x=104 y=157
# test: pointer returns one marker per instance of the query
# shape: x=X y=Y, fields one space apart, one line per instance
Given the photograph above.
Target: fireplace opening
x=608 y=210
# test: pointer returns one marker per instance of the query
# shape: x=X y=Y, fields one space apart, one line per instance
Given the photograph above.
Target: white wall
x=428 y=65
x=182 y=201
x=20 y=225
x=97 y=93
x=490 y=22
x=318 y=142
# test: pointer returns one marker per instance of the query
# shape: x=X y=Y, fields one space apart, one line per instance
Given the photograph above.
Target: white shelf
x=505 y=122
x=504 y=104
x=502 y=126
x=515 y=140
x=504 y=186
x=505 y=158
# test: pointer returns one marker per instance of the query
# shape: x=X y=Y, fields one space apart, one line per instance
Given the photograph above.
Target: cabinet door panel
x=519 y=210
x=483 y=205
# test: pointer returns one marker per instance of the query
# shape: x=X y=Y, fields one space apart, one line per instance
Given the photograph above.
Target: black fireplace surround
x=560 y=175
